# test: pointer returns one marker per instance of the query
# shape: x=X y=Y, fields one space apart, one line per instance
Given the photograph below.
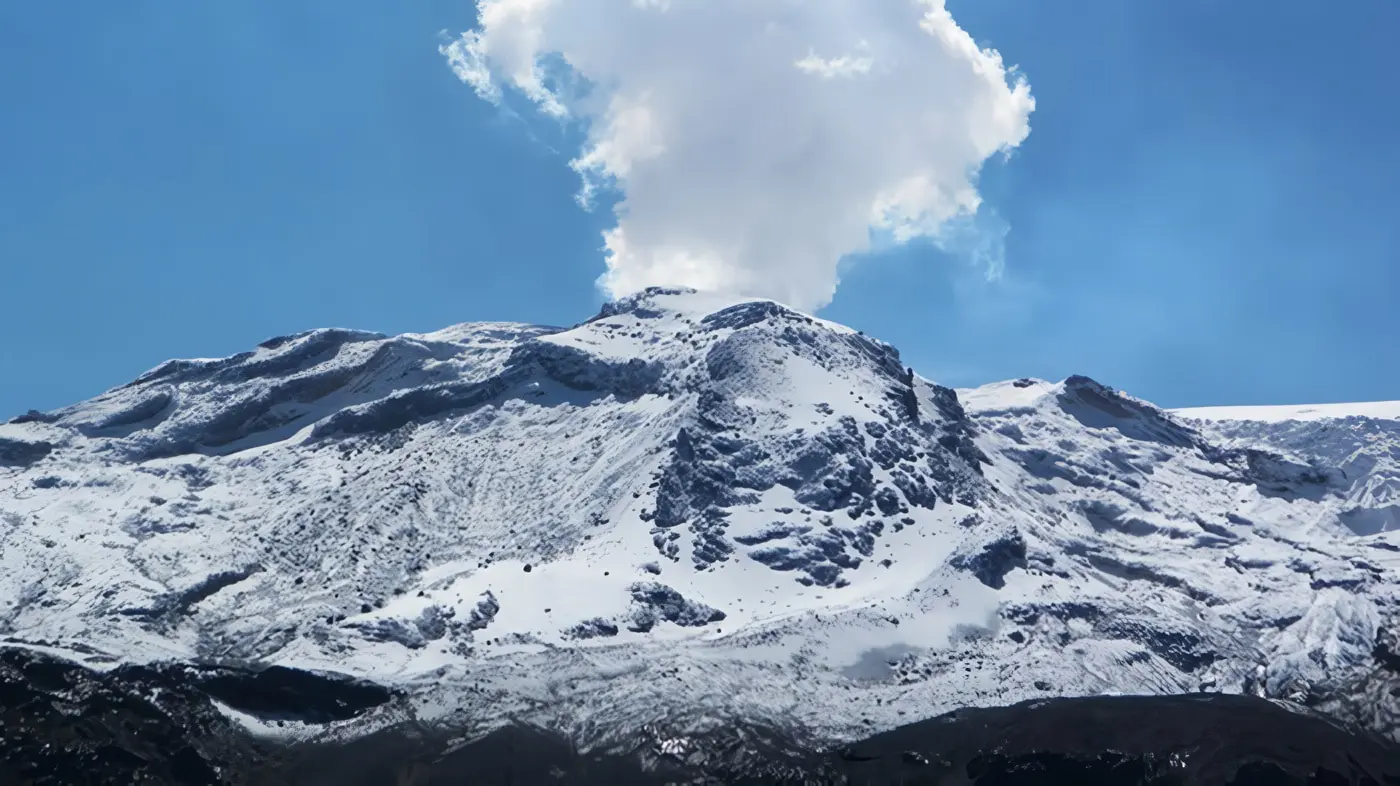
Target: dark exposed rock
x=919 y=435
x=1190 y=739
x=636 y=304
x=581 y=370
x=1181 y=648
x=1030 y=614
x=1109 y=517
x=391 y=630
x=746 y=314
x=139 y=413
x=486 y=610
x=280 y=693
x=1387 y=650
x=592 y=629
x=1275 y=473
x=35 y=416
x=61 y=725
x=995 y=559
x=402 y=409
x=1372 y=520
x=182 y=602
x=1279 y=476
x=821 y=556
x=1098 y=406
x=654 y=602
x=16 y=452
x=66 y=726
x=775 y=531
x=433 y=622
x=314 y=346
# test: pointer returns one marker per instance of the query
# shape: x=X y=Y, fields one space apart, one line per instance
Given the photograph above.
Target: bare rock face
x=68 y=726
x=1188 y=739
x=16 y=452
x=65 y=724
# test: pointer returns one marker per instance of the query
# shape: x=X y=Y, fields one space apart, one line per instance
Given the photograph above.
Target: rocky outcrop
x=22 y=453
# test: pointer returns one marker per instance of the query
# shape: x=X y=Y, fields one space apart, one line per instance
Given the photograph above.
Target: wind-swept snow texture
x=690 y=508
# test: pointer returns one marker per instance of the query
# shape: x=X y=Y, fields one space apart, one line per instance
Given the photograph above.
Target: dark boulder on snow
x=653 y=602
x=995 y=559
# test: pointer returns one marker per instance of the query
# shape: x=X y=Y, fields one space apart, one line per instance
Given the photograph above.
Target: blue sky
x=1203 y=213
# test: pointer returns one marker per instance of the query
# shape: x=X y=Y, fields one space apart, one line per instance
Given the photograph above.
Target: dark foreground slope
x=62 y=725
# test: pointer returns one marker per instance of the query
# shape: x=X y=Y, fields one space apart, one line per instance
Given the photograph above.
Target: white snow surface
x=693 y=507
x=1385 y=410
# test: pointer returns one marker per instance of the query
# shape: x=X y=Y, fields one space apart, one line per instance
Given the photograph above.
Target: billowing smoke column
x=755 y=143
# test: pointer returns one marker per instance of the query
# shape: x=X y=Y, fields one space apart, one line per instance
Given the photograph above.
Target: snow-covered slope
x=1378 y=410
x=689 y=508
x=1361 y=442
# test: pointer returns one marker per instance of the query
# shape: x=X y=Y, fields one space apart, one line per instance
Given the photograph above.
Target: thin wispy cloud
x=754 y=143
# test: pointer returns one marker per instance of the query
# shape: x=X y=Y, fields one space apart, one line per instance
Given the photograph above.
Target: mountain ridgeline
x=686 y=515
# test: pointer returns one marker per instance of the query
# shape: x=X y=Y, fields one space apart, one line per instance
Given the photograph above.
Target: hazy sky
x=1194 y=201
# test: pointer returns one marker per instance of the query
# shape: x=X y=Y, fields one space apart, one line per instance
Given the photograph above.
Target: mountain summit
x=690 y=509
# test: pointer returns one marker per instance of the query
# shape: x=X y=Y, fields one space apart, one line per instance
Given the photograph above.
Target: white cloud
x=831 y=68
x=757 y=142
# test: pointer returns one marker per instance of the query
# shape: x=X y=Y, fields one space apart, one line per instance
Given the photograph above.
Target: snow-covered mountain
x=691 y=508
